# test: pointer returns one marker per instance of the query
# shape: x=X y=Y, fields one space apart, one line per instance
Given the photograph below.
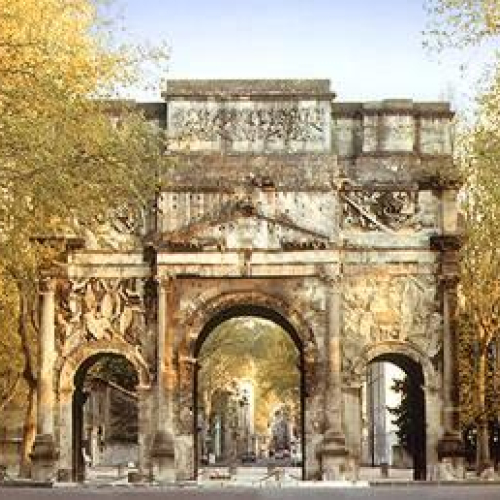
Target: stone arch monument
x=339 y=219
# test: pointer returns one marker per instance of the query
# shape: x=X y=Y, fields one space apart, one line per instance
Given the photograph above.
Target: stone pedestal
x=162 y=458
x=450 y=445
x=333 y=455
x=44 y=457
x=451 y=466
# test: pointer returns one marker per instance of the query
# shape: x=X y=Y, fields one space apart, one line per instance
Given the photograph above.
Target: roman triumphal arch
x=338 y=221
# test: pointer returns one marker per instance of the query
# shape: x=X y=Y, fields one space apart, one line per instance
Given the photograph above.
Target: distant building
x=379 y=432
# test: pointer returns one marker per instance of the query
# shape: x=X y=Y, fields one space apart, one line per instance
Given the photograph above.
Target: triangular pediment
x=240 y=224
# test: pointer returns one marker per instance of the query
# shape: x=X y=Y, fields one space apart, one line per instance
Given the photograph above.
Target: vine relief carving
x=382 y=309
x=381 y=210
x=261 y=123
x=101 y=309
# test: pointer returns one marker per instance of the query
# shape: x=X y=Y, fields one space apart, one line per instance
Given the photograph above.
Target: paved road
x=486 y=492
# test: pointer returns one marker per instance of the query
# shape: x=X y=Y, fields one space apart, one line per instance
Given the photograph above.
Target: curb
x=26 y=483
x=410 y=484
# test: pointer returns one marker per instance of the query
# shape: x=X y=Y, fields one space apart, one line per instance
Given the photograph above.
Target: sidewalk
x=248 y=477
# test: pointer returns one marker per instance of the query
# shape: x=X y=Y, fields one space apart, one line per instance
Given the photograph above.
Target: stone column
x=162 y=449
x=44 y=454
x=333 y=451
x=450 y=446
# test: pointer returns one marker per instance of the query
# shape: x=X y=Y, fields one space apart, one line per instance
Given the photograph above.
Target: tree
x=462 y=24
x=402 y=413
x=67 y=159
x=480 y=268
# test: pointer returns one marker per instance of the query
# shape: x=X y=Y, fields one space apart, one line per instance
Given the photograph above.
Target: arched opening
x=105 y=416
x=249 y=393
x=393 y=416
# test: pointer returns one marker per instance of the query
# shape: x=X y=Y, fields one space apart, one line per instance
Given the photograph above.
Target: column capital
x=47 y=285
x=330 y=274
x=164 y=282
x=449 y=282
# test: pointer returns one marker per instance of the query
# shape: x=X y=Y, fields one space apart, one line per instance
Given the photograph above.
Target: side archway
x=423 y=387
x=404 y=349
x=69 y=372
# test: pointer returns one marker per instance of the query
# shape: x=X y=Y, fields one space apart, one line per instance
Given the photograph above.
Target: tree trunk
x=483 y=449
x=29 y=433
x=29 y=428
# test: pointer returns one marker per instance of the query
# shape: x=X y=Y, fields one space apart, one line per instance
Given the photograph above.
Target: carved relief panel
x=381 y=309
x=249 y=126
x=95 y=309
x=389 y=211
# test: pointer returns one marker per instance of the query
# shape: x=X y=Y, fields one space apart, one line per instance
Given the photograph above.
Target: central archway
x=293 y=452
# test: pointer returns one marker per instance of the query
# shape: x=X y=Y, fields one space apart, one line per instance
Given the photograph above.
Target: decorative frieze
x=242 y=126
x=100 y=309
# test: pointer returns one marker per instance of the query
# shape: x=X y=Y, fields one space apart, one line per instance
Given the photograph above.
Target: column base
x=44 y=456
x=163 y=458
x=451 y=445
x=333 y=456
x=451 y=453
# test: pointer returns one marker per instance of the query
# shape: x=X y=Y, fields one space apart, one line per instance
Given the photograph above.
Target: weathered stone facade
x=336 y=220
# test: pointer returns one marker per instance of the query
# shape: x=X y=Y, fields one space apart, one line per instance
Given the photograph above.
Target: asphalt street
x=413 y=492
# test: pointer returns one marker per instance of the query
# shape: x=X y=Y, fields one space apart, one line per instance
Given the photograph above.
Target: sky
x=369 y=49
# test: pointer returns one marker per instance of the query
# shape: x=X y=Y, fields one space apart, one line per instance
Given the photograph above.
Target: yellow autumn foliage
x=67 y=157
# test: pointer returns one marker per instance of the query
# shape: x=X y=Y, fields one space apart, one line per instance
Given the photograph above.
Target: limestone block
x=436 y=136
x=449 y=210
x=398 y=133
x=346 y=136
x=370 y=133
